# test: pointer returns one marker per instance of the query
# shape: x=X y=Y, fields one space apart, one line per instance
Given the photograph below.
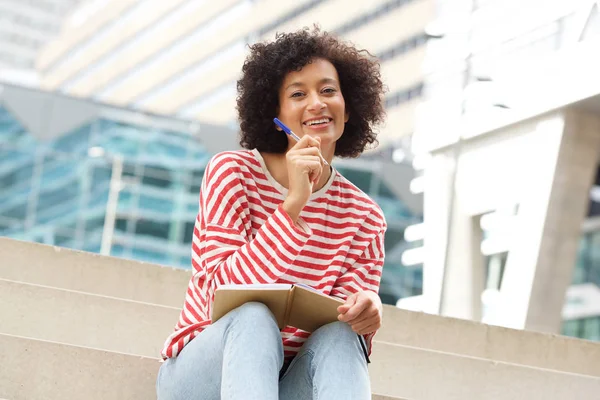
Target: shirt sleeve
x=364 y=274
x=224 y=250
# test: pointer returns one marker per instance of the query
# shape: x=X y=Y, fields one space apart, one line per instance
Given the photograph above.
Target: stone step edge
x=90 y=294
x=158 y=360
x=496 y=362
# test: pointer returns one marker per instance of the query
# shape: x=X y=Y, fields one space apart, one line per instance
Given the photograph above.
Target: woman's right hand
x=304 y=168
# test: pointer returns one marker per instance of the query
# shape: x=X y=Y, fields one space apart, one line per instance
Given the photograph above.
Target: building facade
x=507 y=140
x=25 y=28
x=182 y=57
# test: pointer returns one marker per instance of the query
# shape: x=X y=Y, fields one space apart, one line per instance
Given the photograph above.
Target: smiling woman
x=277 y=212
x=355 y=77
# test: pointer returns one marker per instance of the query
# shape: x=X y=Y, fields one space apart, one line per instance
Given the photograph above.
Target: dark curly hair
x=266 y=67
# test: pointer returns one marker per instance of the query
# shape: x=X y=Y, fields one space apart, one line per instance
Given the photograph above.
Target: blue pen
x=292 y=134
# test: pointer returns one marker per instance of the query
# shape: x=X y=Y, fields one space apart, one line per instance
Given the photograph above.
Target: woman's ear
x=346 y=116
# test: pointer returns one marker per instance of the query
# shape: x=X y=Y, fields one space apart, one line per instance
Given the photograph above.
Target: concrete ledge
x=421 y=374
x=42 y=370
x=39 y=370
x=83 y=319
x=92 y=273
x=475 y=339
x=48 y=370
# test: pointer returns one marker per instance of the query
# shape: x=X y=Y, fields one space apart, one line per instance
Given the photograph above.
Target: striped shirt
x=243 y=236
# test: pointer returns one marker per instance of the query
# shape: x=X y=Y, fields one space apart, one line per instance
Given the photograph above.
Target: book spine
x=288 y=307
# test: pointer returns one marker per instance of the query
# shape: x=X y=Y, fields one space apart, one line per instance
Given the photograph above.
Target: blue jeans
x=241 y=357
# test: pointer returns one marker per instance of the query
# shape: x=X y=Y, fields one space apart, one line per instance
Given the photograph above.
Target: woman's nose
x=316 y=103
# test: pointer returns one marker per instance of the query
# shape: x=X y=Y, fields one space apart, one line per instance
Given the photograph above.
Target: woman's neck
x=276 y=163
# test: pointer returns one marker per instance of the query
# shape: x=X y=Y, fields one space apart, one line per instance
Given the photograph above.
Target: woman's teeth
x=318 y=121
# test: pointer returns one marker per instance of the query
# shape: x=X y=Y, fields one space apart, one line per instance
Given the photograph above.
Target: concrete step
x=420 y=374
x=479 y=340
x=92 y=273
x=49 y=370
x=43 y=370
x=84 y=319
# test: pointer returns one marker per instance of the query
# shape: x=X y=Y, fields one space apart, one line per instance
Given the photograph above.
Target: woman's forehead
x=317 y=71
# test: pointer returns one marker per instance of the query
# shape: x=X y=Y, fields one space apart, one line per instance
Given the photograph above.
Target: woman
x=275 y=213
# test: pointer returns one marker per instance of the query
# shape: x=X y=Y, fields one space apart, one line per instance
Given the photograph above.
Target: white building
x=507 y=139
x=25 y=27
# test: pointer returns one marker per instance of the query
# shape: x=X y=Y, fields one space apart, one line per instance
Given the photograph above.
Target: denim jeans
x=241 y=357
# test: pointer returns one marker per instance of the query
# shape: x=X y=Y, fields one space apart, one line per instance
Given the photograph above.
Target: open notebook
x=295 y=305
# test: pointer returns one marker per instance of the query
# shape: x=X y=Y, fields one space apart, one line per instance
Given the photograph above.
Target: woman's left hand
x=362 y=311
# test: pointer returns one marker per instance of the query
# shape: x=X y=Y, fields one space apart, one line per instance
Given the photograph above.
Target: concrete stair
x=71 y=372
x=83 y=319
x=78 y=325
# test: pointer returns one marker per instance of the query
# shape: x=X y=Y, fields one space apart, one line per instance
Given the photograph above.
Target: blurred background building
x=26 y=26
x=182 y=57
x=506 y=144
x=134 y=96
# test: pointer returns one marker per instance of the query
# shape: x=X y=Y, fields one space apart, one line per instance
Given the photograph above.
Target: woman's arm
x=223 y=250
x=359 y=286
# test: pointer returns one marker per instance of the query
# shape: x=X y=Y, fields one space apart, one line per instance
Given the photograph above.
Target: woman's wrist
x=292 y=208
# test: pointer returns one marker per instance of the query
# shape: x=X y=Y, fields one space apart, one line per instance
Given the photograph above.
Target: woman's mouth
x=318 y=123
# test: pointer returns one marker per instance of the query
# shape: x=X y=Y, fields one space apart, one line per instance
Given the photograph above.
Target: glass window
x=188 y=232
x=157 y=177
x=591 y=328
x=360 y=178
x=59 y=200
x=19 y=176
x=149 y=256
x=570 y=328
x=185 y=262
x=121 y=224
x=157 y=204
x=385 y=191
x=153 y=228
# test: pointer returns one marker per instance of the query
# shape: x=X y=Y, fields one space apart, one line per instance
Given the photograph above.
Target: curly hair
x=266 y=67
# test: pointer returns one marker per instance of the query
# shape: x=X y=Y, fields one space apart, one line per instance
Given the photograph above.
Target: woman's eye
x=297 y=94
x=329 y=90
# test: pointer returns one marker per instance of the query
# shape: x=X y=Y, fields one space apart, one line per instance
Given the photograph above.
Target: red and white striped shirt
x=243 y=236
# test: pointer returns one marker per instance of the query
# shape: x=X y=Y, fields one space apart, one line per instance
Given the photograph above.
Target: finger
x=309 y=164
x=315 y=175
x=368 y=313
x=350 y=301
x=358 y=308
x=308 y=141
x=305 y=151
x=362 y=322
x=367 y=329
x=354 y=311
x=304 y=159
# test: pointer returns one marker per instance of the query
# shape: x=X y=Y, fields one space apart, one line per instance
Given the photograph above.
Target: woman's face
x=311 y=103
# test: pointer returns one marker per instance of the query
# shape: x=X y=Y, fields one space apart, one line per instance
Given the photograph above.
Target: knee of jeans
x=335 y=332
x=255 y=313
